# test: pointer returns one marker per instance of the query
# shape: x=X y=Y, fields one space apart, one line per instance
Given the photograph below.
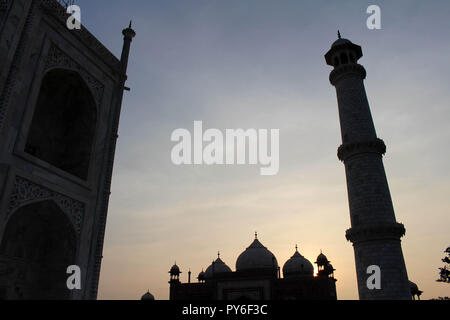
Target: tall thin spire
x=339 y=34
x=128 y=35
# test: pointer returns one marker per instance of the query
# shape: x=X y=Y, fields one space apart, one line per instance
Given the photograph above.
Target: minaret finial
x=131 y=22
x=296 y=248
x=218 y=254
x=339 y=34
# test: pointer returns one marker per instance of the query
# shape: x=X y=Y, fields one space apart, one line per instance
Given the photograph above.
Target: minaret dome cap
x=175 y=270
x=343 y=45
x=322 y=260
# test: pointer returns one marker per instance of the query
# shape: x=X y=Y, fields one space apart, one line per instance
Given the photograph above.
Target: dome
x=175 y=270
x=148 y=296
x=201 y=276
x=322 y=260
x=343 y=47
x=340 y=41
x=298 y=265
x=217 y=266
x=256 y=256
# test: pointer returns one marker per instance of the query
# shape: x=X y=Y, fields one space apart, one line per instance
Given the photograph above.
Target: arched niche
x=64 y=122
x=39 y=243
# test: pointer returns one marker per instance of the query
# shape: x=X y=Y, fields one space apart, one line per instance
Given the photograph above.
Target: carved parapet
x=376 y=232
x=348 y=150
x=346 y=70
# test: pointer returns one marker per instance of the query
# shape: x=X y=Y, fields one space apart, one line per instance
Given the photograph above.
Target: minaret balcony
x=348 y=150
x=344 y=70
x=392 y=231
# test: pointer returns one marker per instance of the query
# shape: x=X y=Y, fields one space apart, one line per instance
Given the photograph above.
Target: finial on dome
x=131 y=22
x=296 y=248
x=218 y=254
x=339 y=34
x=256 y=235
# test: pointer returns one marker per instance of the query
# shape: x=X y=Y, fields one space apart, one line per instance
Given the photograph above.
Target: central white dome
x=256 y=256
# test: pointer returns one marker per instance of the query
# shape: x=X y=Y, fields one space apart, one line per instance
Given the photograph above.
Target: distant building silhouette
x=60 y=103
x=148 y=297
x=258 y=277
x=374 y=232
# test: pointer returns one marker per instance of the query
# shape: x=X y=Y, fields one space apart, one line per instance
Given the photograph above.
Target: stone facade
x=52 y=168
x=374 y=232
x=255 y=286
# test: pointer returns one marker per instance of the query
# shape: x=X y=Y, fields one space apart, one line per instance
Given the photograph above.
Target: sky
x=260 y=64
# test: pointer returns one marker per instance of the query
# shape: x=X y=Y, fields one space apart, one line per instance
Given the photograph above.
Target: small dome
x=217 y=266
x=322 y=260
x=256 y=256
x=342 y=47
x=201 y=276
x=175 y=270
x=148 y=296
x=340 y=41
x=298 y=265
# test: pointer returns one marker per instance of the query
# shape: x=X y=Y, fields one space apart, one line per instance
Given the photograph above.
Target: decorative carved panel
x=57 y=58
x=27 y=192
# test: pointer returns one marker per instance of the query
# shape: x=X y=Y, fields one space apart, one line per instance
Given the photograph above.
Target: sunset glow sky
x=260 y=64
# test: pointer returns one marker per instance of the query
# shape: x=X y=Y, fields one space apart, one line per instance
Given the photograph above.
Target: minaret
x=174 y=280
x=128 y=35
x=374 y=232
